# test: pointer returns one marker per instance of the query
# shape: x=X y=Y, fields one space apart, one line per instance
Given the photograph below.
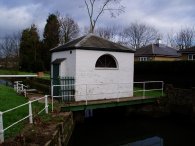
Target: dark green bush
x=178 y=73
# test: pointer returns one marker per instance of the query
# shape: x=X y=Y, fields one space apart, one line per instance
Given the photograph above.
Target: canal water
x=6 y=82
x=117 y=128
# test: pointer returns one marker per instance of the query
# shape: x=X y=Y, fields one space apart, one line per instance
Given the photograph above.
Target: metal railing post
x=30 y=113
x=17 y=86
x=86 y=95
x=162 y=88
x=1 y=128
x=22 y=87
x=46 y=104
x=52 y=98
x=144 y=88
x=117 y=92
x=25 y=93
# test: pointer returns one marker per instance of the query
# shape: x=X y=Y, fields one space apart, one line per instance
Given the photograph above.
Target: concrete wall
x=105 y=83
x=68 y=66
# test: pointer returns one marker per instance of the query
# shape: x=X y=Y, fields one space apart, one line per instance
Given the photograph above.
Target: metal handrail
x=87 y=94
x=30 y=115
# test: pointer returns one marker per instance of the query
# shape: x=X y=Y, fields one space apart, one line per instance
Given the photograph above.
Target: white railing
x=30 y=115
x=144 y=90
x=17 y=76
x=116 y=92
x=19 y=87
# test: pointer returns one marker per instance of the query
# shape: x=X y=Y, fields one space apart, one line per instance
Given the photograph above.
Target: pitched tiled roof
x=92 y=42
x=188 y=50
x=157 y=50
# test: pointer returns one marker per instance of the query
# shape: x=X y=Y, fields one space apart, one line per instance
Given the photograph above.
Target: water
x=113 y=128
x=6 y=82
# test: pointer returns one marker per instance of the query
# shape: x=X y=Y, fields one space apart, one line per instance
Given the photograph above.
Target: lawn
x=10 y=99
x=15 y=72
x=139 y=92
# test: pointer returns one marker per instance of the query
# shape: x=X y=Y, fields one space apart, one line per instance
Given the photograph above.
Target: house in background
x=187 y=54
x=156 y=52
x=101 y=69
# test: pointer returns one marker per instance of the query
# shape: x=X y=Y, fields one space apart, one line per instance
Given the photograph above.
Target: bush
x=178 y=73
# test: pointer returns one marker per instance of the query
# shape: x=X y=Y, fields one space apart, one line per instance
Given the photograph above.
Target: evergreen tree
x=51 y=37
x=30 y=58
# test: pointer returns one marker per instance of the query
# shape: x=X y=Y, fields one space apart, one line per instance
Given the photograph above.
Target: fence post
x=162 y=87
x=1 y=128
x=144 y=86
x=30 y=112
x=117 y=92
x=17 y=86
x=86 y=96
x=52 y=97
x=25 y=93
x=46 y=104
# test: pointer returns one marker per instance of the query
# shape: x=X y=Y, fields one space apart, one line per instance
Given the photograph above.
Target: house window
x=191 y=57
x=106 y=61
x=143 y=59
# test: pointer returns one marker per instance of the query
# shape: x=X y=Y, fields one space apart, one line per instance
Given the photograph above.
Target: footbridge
x=144 y=92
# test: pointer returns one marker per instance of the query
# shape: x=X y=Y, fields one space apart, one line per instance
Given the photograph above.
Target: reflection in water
x=152 y=141
x=5 y=82
x=115 y=127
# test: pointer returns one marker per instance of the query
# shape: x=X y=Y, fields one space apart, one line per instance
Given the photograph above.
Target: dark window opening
x=106 y=61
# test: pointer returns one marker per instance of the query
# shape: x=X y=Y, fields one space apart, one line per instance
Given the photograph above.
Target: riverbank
x=115 y=127
x=53 y=130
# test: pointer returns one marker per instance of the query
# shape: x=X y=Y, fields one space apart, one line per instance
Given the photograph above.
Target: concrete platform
x=95 y=104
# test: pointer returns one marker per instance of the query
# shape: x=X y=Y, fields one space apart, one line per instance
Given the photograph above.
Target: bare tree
x=96 y=8
x=69 y=29
x=109 y=33
x=171 y=39
x=184 y=38
x=9 y=47
x=137 y=35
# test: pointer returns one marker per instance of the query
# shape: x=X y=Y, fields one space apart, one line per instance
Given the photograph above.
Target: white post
x=162 y=87
x=117 y=93
x=144 y=87
x=30 y=112
x=46 y=104
x=1 y=128
x=25 y=92
x=52 y=97
x=17 y=86
x=22 y=87
x=86 y=95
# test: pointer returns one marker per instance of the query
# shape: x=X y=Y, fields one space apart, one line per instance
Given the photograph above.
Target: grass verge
x=10 y=99
x=139 y=92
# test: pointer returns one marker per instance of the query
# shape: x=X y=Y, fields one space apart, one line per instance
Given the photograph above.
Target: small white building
x=101 y=69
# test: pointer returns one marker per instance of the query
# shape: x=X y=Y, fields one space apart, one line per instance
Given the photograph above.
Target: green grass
x=157 y=93
x=15 y=72
x=9 y=99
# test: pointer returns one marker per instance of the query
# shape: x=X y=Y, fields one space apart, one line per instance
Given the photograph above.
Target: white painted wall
x=68 y=66
x=111 y=80
x=97 y=83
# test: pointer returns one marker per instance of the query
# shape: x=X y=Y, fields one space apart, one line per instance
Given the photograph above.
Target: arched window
x=106 y=61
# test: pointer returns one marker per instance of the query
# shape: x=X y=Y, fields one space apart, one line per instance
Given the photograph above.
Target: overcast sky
x=165 y=15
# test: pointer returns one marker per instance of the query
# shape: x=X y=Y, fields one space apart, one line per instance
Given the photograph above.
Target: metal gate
x=67 y=90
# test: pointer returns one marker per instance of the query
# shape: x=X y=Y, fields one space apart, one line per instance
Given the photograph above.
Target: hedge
x=178 y=73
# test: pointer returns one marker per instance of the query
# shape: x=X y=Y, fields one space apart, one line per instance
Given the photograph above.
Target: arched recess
x=106 y=61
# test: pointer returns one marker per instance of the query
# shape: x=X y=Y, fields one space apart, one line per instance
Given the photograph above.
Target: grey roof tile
x=92 y=42
x=157 y=50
